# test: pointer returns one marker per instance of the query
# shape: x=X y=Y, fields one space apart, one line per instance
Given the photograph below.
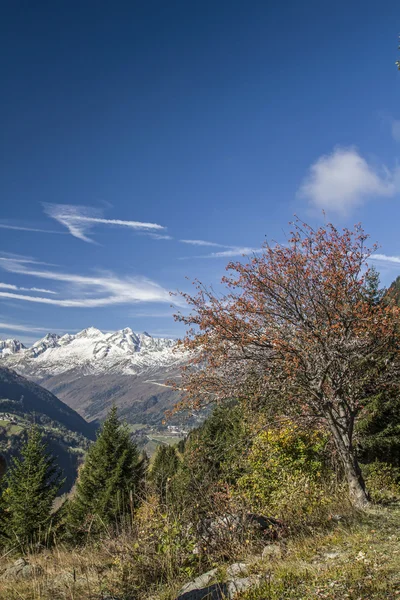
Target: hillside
x=21 y=396
x=66 y=433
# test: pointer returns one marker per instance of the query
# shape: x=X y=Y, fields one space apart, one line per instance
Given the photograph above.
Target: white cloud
x=9 y=286
x=21 y=228
x=158 y=236
x=385 y=258
x=80 y=219
x=229 y=252
x=27 y=328
x=395 y=125
x=104 y=289
x=203 y=243
x=343 y=180
x=233 y=251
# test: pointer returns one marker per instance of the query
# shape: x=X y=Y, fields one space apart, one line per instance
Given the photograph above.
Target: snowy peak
x=49 y=341
x=90 y=332
x=92 y=352
x=10 y=346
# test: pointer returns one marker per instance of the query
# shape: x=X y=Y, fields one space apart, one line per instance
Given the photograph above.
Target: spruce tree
x=165 y=466
x=28 y=491
x=109 y=482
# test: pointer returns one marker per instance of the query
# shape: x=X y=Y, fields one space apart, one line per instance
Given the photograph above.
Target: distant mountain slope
x=66 y=434
x=30 y=398
x=91 y=369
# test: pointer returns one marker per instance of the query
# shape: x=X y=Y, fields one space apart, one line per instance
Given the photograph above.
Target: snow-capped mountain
x=8 y=347
x=89 y=352
x=91 y=370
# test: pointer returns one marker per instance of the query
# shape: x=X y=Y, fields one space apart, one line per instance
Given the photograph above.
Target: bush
x=288 y=475
x=383 y=481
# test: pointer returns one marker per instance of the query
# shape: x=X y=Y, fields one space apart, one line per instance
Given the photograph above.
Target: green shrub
x=287 y=475
x=383 y=481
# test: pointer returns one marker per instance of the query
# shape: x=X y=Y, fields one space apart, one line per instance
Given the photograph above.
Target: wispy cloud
x=158 y=236
x=232 y=252
x=103 y=289
x=203 y=243
x=229 y=252
x=9 y=286
x=385 y=258
x=79 y=220
x=24 y=328
x=35 y=229
x=343 y=180
x=7 y=257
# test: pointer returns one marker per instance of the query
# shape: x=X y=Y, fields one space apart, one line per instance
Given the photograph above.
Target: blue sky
x=130 y=127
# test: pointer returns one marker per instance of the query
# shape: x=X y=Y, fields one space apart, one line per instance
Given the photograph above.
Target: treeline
x=239 y=462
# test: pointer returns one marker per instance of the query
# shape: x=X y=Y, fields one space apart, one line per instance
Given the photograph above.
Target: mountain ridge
x=91 y=370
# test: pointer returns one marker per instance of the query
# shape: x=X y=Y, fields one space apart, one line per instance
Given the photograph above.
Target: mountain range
x=91 y=370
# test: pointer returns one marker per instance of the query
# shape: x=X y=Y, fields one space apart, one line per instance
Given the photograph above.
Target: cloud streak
x=79 y=220
x=9 y=286
x=385 y=258
x=344 y=180
x=104 y=289
x=203 y=243
x=34 y=229
x=22 y=328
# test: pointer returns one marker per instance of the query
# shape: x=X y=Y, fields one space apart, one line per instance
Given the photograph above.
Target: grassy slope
x=358 y=562
x=366 y=567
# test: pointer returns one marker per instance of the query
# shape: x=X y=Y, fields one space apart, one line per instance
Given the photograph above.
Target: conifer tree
x=109 y=482
x=28 y=491
x=164 y=467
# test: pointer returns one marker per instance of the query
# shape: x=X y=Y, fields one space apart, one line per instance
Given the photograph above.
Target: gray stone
x=272 y=551
x=215 y=591
x=242 y=584
x=237 y=569
x=200 y=582
x=201 y=588
x=21 y=569
x=331 y=555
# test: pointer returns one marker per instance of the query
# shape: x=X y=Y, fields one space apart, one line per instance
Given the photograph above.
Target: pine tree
x=28 y=491
x=165 y=466
x=109 y=482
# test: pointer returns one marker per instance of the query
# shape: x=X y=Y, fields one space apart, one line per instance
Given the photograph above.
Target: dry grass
x=357 y=559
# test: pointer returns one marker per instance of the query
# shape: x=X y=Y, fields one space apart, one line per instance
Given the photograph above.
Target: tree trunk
x=359 y=496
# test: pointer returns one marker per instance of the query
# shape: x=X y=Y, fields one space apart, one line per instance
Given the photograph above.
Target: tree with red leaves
x=297 y=321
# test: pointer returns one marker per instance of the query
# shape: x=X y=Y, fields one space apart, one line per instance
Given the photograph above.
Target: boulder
x=201 y=588
x=237 y=569
x=272 y=551
x=241 y=584
x=21 y=569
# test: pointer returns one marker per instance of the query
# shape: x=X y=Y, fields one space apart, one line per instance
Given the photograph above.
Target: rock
x=201 y=588
x=272 y=551
x=215 y=591
x=21 y=569
x=201 y=581
x=331 y=555
x=237 y=569
x=242 y=584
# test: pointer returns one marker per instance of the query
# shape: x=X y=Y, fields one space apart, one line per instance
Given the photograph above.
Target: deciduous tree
x=297 y=322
